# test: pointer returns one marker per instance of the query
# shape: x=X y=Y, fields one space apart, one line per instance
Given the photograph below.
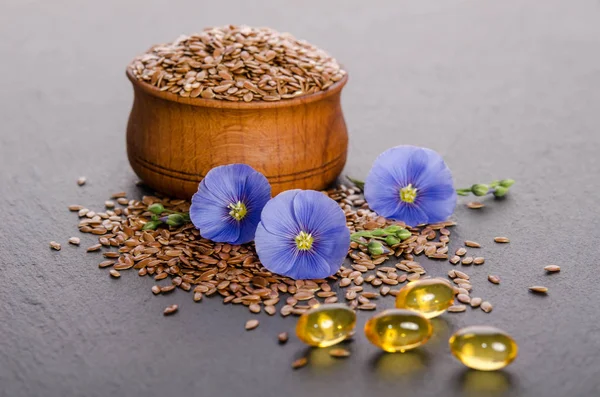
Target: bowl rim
x=334 y=89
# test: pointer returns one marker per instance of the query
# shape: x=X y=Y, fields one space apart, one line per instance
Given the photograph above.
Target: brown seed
x=457 y=308
x=552 y=268
x=451 y=273
x=104 y=264
x=339 y=353
x=367 y=306
x=463 y=298
x=197 y=296
x=282 y=338
x=455 y=259
x=94 y=247
x=461 y=251
x=479 y=260
x=167 y=288
x=299 y=363
x=475 y=205
x=155 y=289
x=75 y=207
x=475 y=302
x=270 y=310
x=539 y=289
x=114 y=273
x=251 y=324
x=170 y=310
x=74 y=240
x=494 y=279
x=81 y=180
x=472 y=244
x=461 y=275
x=467 y=260
x=118 y=195
x=501 y=240
x=55 y=246
x=254 y=308
x=486 y=306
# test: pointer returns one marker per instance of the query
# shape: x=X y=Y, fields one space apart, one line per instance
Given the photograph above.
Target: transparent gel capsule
x=430 y=297
x=326 y=325
x=483 y=347
x=398 y=330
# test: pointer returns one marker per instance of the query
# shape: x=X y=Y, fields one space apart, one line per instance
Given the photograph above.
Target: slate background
x=500 y=88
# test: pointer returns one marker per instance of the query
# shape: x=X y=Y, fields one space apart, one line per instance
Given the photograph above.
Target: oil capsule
x=398 y=330
x=483 y=347
x=430 y=297
x=326 y=325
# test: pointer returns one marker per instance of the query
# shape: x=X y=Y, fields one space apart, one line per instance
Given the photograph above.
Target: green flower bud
x=507 y=183
x=403 y=234
x=175 y=220
x=377 y=232
x=152 y=225
x=156 y=208
x=376 y=248
x=392 y=229
x=391 y=240
x=480 y=189
x=500 y=191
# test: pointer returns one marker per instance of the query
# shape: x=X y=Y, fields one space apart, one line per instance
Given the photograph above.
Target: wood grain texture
x=172 y=142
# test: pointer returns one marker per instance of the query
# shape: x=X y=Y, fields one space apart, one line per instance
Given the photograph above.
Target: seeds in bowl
x=238 y=63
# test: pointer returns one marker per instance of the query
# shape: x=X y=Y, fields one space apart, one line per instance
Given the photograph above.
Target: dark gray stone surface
x=500 y=88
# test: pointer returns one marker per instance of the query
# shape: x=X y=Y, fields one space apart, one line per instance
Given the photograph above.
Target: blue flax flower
x=228 y=203
x=411 y=184
x=303 y=235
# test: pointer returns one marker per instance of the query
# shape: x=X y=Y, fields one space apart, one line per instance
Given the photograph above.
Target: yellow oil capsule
x=483 y=347
x=430 y=297
x=326 y=325
x=398 y=330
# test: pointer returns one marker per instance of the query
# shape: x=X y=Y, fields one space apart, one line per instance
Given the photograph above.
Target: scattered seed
x=461 y=275
x=170 y=310
x=475 y=205
x=282 y=338
x=455 y=259
x=114 y=273
x=457 y=308
x=55 y=246
x=109 y=204
x=75 y=207
x=501 y=240
x=494 y=279
x=472 y=244
x=155 y=289
x=461 y=251
x=94 y=247
x=251 y=324
x=475 y=302
x=339 y=353
x=539 y=289
x=486 y=306
x=479 y=260
x=467 y=260
x=552 y=268
x=463 y=298
x=81 y=180
x=299 y=363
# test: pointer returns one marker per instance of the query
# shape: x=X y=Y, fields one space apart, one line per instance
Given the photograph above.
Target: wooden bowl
x=172 y=142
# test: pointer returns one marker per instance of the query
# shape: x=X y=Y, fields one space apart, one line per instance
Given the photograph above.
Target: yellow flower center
x=238 y=210
x=304 y=241
x=408 y=194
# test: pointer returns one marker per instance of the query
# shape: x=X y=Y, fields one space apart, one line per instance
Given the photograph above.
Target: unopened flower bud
x=152 y=225
x=156 y=208
x=507 y=183
x=500 y=191
x=403 y=234
x=377 y=232
x=391 y=240
x=480 y=189
x=376 y=248
x=175 y=220
x=392 y=229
